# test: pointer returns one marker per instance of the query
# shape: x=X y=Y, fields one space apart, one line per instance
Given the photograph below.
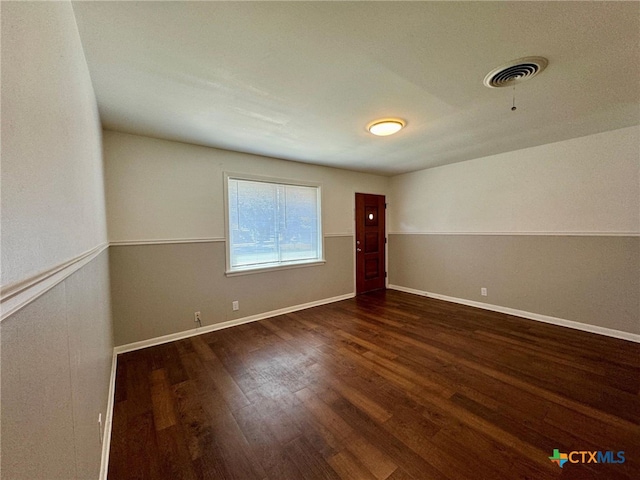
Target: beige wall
x=157 y=288
x=56 y=363
x=163 y=191
x=56 y=351
x=551 y=230
x=52 y=178
x=159 y=189
x=583 y=185
x=586 y=279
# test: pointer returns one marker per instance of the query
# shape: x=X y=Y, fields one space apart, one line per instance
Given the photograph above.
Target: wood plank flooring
x=384 y=386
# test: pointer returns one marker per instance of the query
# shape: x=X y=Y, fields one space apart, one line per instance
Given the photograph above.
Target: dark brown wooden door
x=370 y=244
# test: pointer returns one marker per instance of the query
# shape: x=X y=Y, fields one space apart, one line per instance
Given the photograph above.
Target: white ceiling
x=301 y=80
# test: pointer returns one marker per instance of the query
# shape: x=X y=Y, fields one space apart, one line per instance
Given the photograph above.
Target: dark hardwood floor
x=384 y=386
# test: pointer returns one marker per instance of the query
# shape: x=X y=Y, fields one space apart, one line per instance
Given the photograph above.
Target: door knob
x=358 y=249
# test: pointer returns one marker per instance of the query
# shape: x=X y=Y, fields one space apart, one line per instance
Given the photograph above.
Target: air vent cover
x=515 y=71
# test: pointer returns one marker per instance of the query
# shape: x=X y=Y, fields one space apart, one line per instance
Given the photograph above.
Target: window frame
x=235 y=271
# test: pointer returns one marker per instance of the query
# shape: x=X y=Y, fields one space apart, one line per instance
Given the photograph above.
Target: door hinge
x=385 y=274
x=385 y=239
x=385 y=205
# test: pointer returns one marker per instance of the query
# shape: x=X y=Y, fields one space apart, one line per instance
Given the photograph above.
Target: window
x=271 y=223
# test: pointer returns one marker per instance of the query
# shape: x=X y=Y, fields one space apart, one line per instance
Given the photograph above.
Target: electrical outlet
x=100 y=427
x=235 y=305
x=196 y=317
x=483 y=292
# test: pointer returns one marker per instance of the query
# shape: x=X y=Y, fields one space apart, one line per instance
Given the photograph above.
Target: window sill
x=249 y=271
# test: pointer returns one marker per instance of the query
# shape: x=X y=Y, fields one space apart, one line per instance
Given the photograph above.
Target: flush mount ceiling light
x=515 y=71
x=387 y=126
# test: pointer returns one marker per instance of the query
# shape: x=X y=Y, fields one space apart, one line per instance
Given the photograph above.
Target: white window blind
x=272 y=224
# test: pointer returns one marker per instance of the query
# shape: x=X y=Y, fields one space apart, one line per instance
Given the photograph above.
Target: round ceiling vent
x=515 y=71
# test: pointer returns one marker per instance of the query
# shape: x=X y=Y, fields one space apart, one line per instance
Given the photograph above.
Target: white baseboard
x=106 y=435
x=609 y=332
x=230 y=323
